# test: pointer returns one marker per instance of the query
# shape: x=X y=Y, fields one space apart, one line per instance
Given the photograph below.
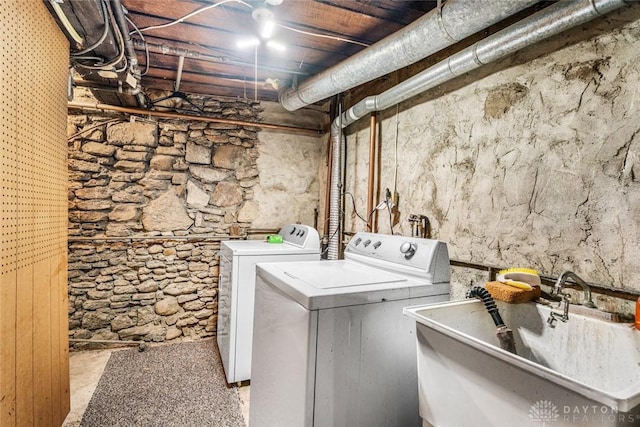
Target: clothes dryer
x=236 y=287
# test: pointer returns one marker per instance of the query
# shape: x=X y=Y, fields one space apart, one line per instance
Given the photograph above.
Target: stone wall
x=529 y=162
x=153 y=290
x=149 y=203
x=290 y=166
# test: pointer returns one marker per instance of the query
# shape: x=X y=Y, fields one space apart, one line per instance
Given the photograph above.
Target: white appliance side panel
x=366 y=366
x=244 y=306
x=284 y=349
x=226 y=313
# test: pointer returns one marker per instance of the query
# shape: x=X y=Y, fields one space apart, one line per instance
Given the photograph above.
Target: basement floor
x=86 y=369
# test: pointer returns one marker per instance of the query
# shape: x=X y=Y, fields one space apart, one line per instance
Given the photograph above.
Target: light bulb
x=272 y=44
x=267 y=28
x=250 y=42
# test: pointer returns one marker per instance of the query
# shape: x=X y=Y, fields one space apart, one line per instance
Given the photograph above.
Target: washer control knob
x=408 y=249
x=293 y=230
x=357 y=242
x=376 y=245
x=367 y=243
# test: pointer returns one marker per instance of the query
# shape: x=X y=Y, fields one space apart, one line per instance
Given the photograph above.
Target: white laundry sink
x=582 y=372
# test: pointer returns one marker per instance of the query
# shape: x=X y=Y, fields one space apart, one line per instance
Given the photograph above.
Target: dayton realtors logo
x=544 y=411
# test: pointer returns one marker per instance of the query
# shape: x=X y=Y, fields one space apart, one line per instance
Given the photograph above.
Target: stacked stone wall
x=149 y=203
x=150 y=290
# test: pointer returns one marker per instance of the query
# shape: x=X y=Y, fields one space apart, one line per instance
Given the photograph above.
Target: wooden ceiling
x=316 y=34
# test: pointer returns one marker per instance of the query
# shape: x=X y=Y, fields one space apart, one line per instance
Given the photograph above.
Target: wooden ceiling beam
x=210 y=89
x=282 y=67
x=225 y=43
x=332 y=18
x=211 y=69
x=234 y=81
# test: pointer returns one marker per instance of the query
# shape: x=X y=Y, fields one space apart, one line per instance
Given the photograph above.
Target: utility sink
x=583 y=372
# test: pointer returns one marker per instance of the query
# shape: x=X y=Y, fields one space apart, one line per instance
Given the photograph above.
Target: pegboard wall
x=32 y=154
x=34 y=388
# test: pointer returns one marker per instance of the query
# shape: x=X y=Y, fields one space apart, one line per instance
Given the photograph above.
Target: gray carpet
x=170 y=385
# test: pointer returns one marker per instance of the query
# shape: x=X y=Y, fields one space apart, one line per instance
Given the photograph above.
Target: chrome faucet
x=557 y=291
x=559 y=286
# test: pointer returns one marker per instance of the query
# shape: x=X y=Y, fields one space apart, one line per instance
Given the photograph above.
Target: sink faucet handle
x=566 y=300
x=553 y=316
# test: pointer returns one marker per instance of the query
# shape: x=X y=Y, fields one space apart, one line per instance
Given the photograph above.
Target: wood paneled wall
x=34 y=359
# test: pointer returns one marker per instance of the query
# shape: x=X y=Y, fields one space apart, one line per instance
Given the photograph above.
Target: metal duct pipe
x=546 y=23
x=372 y=169
x=176 y=51
x=436 y=30
x=333 y=249
x=118 y=12
x=95 y=86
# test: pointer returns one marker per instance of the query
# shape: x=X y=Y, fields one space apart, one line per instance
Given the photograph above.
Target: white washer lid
x=338 y=275
x=318 y=285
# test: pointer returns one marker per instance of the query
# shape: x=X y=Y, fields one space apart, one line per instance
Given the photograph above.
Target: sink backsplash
x=462 y=278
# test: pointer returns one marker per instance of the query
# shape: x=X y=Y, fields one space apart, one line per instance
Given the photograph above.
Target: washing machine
x=236 y=286
x=331 y=346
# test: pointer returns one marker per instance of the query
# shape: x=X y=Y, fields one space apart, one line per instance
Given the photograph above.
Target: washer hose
x=489 y=303
x=504 y=334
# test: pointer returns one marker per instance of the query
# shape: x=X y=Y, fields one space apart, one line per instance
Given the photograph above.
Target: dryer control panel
x=300 y=235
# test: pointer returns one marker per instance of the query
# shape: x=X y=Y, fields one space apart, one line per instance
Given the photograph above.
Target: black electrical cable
x=390 y=217
x=387 y=201
x=353 y=200
x=343 y=214
x=182 y=96
x=120 y=56
x=87 y=58
x=102 y=37
x=329 y=239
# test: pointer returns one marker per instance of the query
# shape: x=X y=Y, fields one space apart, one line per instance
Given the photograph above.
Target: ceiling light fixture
x=266 y=22
x=267 y=28
x=248 y=42
x=272 y=44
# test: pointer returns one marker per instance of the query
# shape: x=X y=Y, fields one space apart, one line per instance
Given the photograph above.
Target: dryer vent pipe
x=442 y=28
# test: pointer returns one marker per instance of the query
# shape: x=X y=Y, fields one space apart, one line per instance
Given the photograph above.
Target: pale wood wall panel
x=34 y=365
x=8 y=221
x=64 y=399
x=54 y=333
x=64 y=396
x=42 y=366
x=24 y=347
